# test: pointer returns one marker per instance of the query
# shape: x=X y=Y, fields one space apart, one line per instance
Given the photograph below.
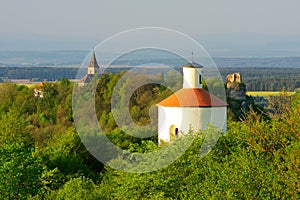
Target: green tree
x=77 y=188
x=8 y=93
x=19 y=168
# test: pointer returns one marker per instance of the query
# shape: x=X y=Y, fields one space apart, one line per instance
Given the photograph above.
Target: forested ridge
x=255 y=78
x=42 y=156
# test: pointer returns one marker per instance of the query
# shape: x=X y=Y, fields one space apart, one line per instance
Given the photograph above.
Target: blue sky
x=66 y=24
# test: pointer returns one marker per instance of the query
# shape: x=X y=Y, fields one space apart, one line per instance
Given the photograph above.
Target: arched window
x=174 y=132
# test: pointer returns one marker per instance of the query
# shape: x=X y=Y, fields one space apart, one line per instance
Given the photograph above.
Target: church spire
x=93 y=67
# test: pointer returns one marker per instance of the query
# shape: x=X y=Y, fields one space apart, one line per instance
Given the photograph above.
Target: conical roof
x=192 y=65
x=192 y=97
x=93 y=62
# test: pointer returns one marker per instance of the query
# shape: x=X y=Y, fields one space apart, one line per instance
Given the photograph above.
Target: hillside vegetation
x=42 y=157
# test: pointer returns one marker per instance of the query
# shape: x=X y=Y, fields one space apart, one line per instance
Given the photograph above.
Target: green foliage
x=64 y=153
x=237 y=168
x=296 y=100
x=76 y=188
x=8 y=93
x=20 y=172
x=12 y=129
x=65 y=157
x=237 y=109
x=42 y=156
x=20 y=169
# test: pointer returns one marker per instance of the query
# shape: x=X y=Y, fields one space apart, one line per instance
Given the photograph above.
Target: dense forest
x=255 y=78
x=42 y=156
x=267 y=79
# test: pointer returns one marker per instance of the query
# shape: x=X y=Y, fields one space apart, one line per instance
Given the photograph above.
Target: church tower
x=93 y=67
x=192 y=75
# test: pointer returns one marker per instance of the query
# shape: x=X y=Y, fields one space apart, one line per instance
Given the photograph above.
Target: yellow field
x=268 y=93
x=29 y=85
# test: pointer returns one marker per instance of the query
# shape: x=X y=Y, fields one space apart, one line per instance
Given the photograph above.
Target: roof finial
x=192 y=56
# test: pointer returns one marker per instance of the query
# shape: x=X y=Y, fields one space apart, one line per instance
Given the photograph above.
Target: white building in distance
x=190 y=108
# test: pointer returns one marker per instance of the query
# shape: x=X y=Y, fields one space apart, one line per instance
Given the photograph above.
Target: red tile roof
x=192 y=97
x=41 y=84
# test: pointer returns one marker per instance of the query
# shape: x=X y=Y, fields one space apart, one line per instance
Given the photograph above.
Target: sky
x=73 y=24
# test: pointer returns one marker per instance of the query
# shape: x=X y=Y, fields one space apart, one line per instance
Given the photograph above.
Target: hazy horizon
x=230 y=28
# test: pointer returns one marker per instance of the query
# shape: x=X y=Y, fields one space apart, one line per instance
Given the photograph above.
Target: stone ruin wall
x=235 y=88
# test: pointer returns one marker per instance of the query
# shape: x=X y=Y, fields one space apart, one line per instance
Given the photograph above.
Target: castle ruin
x=236 y=89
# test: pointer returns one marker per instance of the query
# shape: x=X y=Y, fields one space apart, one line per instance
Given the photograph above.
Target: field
x=268 y=93
x=29 y=85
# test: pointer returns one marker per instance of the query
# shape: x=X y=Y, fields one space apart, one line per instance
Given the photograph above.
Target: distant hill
x=72 y=58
